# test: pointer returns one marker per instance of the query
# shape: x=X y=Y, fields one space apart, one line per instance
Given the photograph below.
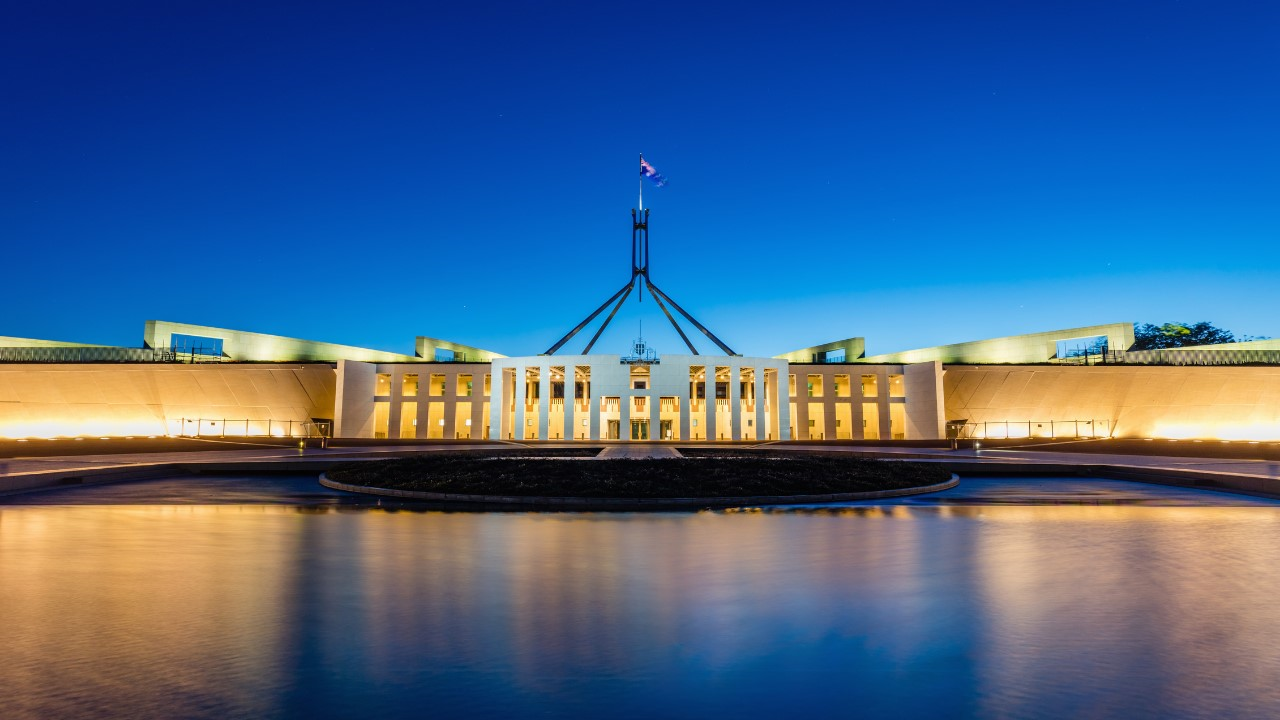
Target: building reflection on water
x=1019 y=611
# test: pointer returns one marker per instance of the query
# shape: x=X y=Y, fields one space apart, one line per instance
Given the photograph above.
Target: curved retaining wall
x=576 y=503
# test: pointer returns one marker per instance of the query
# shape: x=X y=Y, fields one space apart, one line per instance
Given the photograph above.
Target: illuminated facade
x=197 y=380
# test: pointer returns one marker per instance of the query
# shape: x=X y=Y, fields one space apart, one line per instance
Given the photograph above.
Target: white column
x=593 y=411
x=570 y=402
x=450 y=403
x=544 y=401
x=735 y=402
x=496 y=407
x=517 y=433
x=710 y=415
x=685 y=397
x=782 y=403
x=802 y=407
x=624 y=412
x=761 y=427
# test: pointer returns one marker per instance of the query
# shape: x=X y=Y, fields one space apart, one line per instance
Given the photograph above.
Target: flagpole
x=640 y=185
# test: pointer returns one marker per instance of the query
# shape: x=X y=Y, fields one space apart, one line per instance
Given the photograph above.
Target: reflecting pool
x=272 y=598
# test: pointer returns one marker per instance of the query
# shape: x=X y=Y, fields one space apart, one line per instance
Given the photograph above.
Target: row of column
x=614 y=380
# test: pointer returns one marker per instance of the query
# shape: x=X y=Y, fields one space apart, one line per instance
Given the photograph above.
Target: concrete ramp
x=639 y=452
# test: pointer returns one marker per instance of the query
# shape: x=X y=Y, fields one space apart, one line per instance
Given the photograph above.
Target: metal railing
x=1016 y=429
x=1104 y=357
x=108 y=355
x=222 y=427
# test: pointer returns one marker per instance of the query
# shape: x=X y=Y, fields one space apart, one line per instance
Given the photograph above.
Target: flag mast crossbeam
x=658 y=299
x=640 y=279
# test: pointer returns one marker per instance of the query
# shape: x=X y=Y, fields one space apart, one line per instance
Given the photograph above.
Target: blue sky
x=913 y=172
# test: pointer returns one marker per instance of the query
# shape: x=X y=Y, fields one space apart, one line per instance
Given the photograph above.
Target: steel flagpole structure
x=639 y=280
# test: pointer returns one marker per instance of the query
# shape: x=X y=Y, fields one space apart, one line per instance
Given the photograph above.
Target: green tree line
x=1181 y=334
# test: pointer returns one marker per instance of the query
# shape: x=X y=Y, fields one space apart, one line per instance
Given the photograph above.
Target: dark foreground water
x=277 y=598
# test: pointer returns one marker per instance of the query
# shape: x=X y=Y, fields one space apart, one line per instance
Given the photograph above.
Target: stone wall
x=1224 y=403
x=152 y=399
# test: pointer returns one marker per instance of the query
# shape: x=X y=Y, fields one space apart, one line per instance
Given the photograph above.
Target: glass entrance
x=639 y=429
x=612 y=429
x=664 y=428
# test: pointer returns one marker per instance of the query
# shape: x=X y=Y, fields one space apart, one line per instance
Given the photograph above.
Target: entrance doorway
x=639 y=429
x=664 y=429
x=612 y=430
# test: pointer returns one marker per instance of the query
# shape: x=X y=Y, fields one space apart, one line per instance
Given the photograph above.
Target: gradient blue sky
x=913 y=172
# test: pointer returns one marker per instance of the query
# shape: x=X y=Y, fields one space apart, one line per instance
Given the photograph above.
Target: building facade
x=197 y=380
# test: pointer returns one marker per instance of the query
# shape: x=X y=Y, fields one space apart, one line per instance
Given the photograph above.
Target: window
x=639 y=377
x=382 y=385
x=898 y=421
x=870 y=421
x=409 y=385
x=897 y=386
x=465 y=386
x=195 y=345
x=435 y=420
x=869 y=386
x=815 y=386
x=408 y=419
x=437 y=385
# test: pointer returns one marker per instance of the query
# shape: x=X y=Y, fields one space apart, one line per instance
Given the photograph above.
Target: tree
x=1171 y=335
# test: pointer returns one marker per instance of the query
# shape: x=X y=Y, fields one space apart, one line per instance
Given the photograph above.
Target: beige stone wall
x=113 y=400
x=1225 y=403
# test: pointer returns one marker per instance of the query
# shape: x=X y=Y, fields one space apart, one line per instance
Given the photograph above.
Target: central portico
x=658 y=397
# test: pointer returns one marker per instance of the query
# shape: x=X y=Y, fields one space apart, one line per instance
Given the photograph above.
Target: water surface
x=1001 y=598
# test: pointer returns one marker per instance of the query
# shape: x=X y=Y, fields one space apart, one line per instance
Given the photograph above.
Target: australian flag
x=646 y=170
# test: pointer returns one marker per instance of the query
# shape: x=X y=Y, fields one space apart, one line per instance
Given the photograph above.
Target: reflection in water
x=253 y=611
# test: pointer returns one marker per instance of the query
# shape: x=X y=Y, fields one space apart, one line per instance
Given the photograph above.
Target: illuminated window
x=869 y=386
x=464 y=386
x=462 y=421
x=437 y=385
x=814 y=385
x=435 y=420
x=897 y=386
x=408 y=419
x=870 y=421
x=409 y=385
x=842 y=386
x=382 y=385
x=639 y=377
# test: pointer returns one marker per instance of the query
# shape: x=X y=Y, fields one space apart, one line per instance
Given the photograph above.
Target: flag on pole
x=646 y=170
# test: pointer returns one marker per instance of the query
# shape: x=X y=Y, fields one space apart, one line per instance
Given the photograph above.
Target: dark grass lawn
x=700 y=477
